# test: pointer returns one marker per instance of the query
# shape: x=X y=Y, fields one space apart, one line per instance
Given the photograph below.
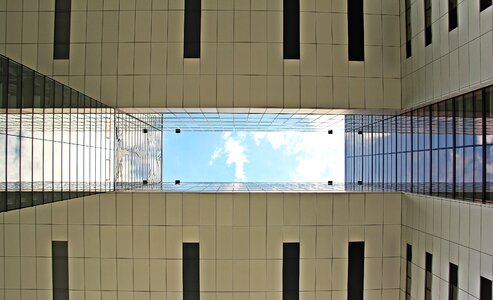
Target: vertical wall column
x=428 y=275
x=60 y=269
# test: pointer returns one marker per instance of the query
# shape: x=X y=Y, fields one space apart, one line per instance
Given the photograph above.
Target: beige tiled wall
x=452 y=231
x=455 y=62
x=128 y=245
x=130 y=53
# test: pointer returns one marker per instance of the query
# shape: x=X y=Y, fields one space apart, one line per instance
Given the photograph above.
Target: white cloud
x=215 y=155
x=235 y=153
x=319 y=156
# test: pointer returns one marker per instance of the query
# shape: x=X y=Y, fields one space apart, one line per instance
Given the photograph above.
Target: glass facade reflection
x=57 y=143
x=444 y=149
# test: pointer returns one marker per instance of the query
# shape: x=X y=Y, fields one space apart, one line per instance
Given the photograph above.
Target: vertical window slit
x=453 y=282
x=61 y=47
x=191 y=46
x=191 y=279
x=408 y=28
x=428 y=34
x=409 y=259
x=452 y=15
x=356 y=30
x=60 y=269
x=356 y=270
x=484 y=4
x=291 y=271
x=485 y=289
x=291 y=29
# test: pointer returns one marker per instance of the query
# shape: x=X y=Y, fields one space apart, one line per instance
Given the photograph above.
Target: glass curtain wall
x=57 y=143
x=444 y=149
x=138 y=150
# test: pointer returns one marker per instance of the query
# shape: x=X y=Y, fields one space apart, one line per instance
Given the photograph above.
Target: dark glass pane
x=453 y=281
x=484 y=4
x=39 y=88
x=60 y=270
x=191 y=44
x=356 y=270
x=356 y=30
x=452 y=15
x=61 y=47
x=291 y=29
x=4 y=75
x=291 y=271
x=191 y=271
x=15 y=85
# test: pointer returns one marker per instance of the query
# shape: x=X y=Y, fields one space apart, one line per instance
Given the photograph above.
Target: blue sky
x=253 y=157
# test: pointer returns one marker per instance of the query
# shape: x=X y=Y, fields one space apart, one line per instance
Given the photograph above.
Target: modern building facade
x=85 y=214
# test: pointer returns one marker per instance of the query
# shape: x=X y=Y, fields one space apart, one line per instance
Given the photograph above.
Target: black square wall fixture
x=177 y=130
x=144 y=130
x=360 y=131
x=330 y=131
x=330 y=182
x=177 y=181
x=145 y=182
x=360 y=182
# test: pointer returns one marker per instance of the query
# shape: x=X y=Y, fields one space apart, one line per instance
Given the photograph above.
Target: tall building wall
x=455 y=62
x=129 y=245
x=453 y=232
x=130 y=53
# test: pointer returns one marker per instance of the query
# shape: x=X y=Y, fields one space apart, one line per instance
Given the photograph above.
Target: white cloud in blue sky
x=254 y=157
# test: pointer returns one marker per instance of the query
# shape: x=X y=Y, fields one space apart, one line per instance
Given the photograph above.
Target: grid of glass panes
x=57 y=143
x=444 y=149
x=138 y=146
x=226 y=187
x=250 y=122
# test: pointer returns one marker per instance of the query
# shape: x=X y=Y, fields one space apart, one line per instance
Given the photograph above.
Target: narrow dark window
x=191 y=281
x=484 y=4
x=452 y=15
x=356 y=270
x=291 y=271
x=408 y=28
x=61 y=47
x=291 y=29
x=428 y=36
x=485 y=289
x=428 y=276
x=356 y=30
x=453 y=282
x=191 y=46
x=409 y=259
x=60 y=269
